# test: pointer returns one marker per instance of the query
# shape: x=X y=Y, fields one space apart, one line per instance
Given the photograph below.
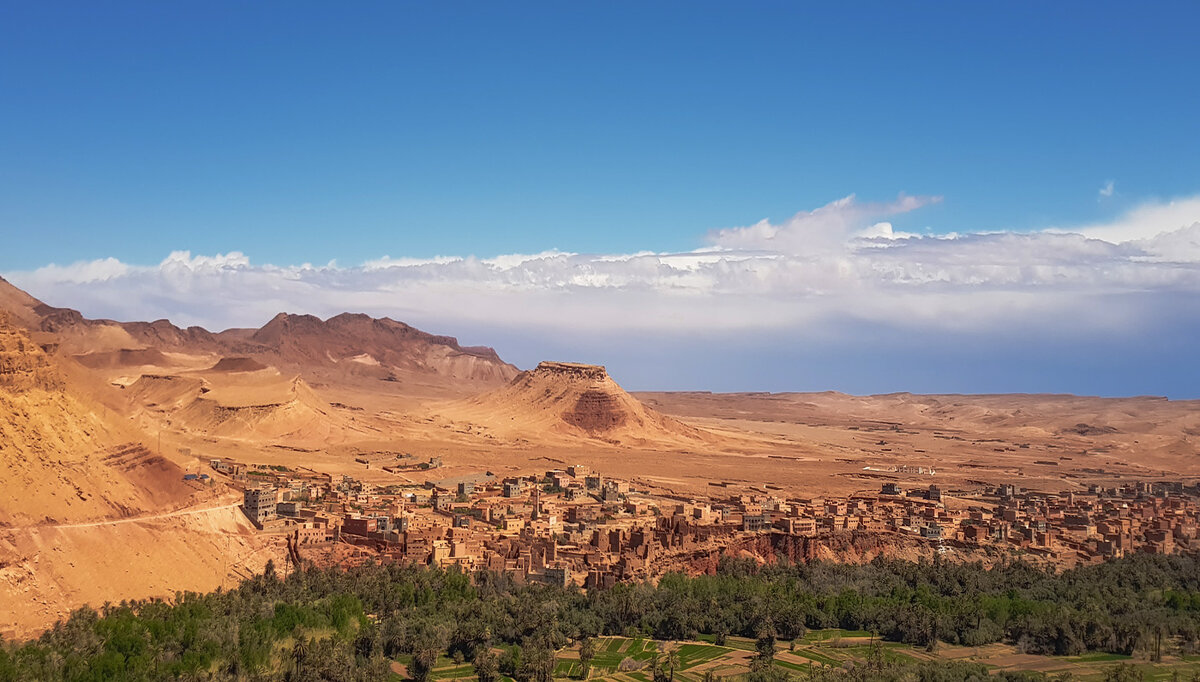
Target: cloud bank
x=834 y=275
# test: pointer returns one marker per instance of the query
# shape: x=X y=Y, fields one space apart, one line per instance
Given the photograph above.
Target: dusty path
x=186 y=511
x=51 y=569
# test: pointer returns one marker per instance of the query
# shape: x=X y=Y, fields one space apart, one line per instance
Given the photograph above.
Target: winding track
x=186 y=511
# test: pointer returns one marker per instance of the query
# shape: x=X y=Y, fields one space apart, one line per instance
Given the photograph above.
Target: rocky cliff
x=23 y=364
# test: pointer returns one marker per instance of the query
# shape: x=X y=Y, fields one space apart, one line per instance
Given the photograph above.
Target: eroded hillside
x=65 y=459
x=568 y=401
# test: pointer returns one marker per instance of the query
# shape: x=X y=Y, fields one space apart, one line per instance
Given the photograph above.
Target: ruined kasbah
x=576 y=526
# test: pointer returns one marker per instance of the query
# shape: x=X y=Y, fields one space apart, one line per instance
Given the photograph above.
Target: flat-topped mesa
x=571 y=400
x=574 y=371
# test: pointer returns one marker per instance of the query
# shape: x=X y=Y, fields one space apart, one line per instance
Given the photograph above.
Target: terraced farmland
x=626 y=659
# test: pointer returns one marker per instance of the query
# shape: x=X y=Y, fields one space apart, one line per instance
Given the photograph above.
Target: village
x=576 y=526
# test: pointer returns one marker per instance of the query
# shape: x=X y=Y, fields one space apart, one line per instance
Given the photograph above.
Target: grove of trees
x=349 y=625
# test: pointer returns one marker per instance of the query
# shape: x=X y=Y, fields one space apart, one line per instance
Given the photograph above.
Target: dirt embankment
x=853 y=547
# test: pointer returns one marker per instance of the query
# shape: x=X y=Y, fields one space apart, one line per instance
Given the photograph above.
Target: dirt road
x=186 y=511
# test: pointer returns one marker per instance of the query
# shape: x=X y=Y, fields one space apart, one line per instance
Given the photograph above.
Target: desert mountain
x=345 y=348
x=76 y=334
x=20 y=306
x=95 y=510
x=560 y=400
x=64 y=456
x=363 y=345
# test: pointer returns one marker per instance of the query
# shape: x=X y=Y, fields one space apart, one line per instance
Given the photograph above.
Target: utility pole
x=225 y=560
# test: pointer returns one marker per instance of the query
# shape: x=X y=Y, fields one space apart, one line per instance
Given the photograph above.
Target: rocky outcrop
x=572 y=400
x=582 y=396
x=596 y=411
x=24 y=365
x=569 y=371
x=598 y=406
x=842 y=547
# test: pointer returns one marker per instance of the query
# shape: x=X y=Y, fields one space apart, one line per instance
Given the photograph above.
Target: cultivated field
x=627 y=659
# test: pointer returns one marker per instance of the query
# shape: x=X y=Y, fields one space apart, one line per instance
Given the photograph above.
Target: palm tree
x=587 y=651
x=765 y=648
x=424 y=660
x=486 y=665
x=299 y=653
x=656 y=673
x=672 y=660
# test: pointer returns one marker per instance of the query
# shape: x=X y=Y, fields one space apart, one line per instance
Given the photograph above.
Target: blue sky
x=301 y=133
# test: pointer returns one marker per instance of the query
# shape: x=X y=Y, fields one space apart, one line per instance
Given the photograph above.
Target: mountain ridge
x=353 y=343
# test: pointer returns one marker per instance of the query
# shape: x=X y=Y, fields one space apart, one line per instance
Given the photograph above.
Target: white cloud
x=819 y=230
x=388 y=262
x=84 y=271
x=1107 y=190
x=817 y=272
x=183 y=260
x=1145 y=221
x=1177 y=246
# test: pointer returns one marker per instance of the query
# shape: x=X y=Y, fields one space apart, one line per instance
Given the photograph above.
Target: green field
x=821 y=648
x=817 y=656
x=1098 y=656
x=835 y=633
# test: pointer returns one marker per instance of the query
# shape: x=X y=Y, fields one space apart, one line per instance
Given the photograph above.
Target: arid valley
x=111 y=435
x=599 y=342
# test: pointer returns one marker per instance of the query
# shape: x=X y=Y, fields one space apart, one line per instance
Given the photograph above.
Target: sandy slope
x=63 y=457
x=48 y=571
x=90 y=513
x=260 y=406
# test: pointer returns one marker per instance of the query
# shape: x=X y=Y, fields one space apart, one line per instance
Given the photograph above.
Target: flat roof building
x=258 y=504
